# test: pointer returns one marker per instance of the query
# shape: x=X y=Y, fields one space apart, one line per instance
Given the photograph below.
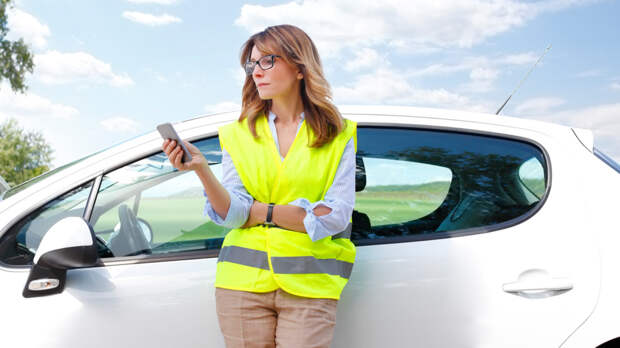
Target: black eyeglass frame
x=250 y=65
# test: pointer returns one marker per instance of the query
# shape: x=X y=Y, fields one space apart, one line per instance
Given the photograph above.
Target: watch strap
x=268 y=220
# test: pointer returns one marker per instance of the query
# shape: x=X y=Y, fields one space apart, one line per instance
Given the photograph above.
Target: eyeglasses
x=265 y=63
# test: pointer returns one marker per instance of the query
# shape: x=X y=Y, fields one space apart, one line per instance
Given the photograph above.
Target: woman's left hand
x=258 y=213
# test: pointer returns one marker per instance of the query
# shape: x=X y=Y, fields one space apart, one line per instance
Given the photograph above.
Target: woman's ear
x=300 y=76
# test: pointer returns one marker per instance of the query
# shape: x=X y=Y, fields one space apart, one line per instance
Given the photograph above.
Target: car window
x=428 y=182
x=393 y=195
x=532 y=179
x=20 y=242
x=14 y=190
x=149 y=207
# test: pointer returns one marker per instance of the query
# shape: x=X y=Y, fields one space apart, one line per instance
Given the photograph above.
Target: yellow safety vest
x=262 y=258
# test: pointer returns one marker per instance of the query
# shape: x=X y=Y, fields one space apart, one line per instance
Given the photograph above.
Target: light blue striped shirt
x=340 y=197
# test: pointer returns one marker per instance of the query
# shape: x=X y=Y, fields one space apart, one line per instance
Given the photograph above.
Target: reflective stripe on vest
x=285 y=264
x=244 y=256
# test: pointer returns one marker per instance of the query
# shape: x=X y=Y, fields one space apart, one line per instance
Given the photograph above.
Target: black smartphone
x=167 y=132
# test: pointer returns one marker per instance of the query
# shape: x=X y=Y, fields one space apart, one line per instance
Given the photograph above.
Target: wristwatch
x=268 y=220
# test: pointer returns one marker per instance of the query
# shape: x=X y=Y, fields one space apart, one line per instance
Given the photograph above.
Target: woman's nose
x=257 y=71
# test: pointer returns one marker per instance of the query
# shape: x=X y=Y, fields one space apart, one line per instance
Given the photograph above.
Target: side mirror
x=68 y=244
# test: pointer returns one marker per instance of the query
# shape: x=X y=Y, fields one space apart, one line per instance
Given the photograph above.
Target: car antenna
x=520 y=83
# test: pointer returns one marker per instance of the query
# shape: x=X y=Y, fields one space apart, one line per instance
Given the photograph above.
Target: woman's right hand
x=175 y=154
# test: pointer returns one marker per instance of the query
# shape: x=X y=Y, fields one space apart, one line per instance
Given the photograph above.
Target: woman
x=287 y=192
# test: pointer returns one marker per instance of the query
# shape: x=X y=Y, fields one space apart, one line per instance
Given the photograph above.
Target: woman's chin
x=265 y=96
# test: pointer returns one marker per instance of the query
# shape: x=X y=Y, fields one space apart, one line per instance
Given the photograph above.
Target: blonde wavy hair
x=297 y=49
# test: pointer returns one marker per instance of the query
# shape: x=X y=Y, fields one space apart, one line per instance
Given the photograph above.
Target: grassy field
x=180 y=218
x=394 y=204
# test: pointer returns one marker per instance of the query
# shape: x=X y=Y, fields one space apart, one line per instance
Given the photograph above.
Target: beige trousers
x=274 y=319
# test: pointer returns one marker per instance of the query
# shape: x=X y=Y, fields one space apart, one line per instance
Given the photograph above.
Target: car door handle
x=537 y=285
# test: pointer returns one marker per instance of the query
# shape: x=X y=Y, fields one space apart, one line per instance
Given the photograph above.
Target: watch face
x=269 y=215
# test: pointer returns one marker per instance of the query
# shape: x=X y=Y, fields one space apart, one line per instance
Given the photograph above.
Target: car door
x=158 y=296
x=466 y=239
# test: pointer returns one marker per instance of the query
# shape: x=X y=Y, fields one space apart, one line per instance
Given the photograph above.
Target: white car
x=472 y=230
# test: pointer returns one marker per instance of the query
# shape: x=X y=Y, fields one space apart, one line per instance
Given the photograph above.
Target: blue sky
x=109 y=70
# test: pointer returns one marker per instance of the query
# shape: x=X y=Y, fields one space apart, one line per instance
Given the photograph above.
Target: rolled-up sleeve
x=240 y=199
x=340 y=198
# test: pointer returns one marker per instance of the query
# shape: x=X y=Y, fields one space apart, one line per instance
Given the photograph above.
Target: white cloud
x=391 y=87
x=26 y=26
x=222 y=107
x=156 y=75
x=481 y=80
x=537 y=106
x=150 y=19
x=53 y=67
x=239 y=76
x=365 y=58
x=120 y=124
x=518 y=59
x=483 y=71
x=474 y=63
x=601 y=119
x=615 y=85
x=31 y=105
x=589 y=73
x=421 y=23
x=159 y=2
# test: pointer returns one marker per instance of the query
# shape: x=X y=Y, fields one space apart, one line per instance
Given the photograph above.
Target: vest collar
x=272 y=117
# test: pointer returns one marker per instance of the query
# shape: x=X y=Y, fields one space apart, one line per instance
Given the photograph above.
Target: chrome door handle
x=537 y=285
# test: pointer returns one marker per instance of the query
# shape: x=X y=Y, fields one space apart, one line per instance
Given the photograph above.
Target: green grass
x=180 y=219
x=172 y=219
x=537 y=186
x=400 y=203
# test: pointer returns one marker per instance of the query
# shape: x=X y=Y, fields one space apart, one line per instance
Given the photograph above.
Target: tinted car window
x=149 y=207
x=429 y=182
x=21 y=241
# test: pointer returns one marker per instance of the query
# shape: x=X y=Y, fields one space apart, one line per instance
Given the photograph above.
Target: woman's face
x=279 y=81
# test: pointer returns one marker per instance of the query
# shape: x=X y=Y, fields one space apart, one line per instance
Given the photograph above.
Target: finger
x=171 y=156
x=169 y=146
x=177 y=156
x=172 y=144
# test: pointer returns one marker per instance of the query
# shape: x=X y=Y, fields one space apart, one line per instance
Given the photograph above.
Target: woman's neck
x=288 y=109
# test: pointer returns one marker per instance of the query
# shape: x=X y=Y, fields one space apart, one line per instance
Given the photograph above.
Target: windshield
x=36 y=179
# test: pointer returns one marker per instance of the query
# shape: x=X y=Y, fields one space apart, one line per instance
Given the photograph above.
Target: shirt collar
x=273 y=116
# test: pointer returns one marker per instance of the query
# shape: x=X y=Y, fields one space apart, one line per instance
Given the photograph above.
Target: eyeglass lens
x=265 y=63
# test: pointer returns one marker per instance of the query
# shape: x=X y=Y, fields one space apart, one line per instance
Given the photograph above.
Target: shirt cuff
x=236 y=215
x=314 y=225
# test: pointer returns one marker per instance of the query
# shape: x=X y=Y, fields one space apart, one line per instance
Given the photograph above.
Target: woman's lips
x=262 y=84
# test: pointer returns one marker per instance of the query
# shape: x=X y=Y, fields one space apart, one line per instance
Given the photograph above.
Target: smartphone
x=167 y=132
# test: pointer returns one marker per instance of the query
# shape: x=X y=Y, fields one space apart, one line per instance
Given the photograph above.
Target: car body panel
x=451 y=286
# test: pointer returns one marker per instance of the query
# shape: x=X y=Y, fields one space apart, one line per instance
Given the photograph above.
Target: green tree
x=15 y=58
x=23 y=155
